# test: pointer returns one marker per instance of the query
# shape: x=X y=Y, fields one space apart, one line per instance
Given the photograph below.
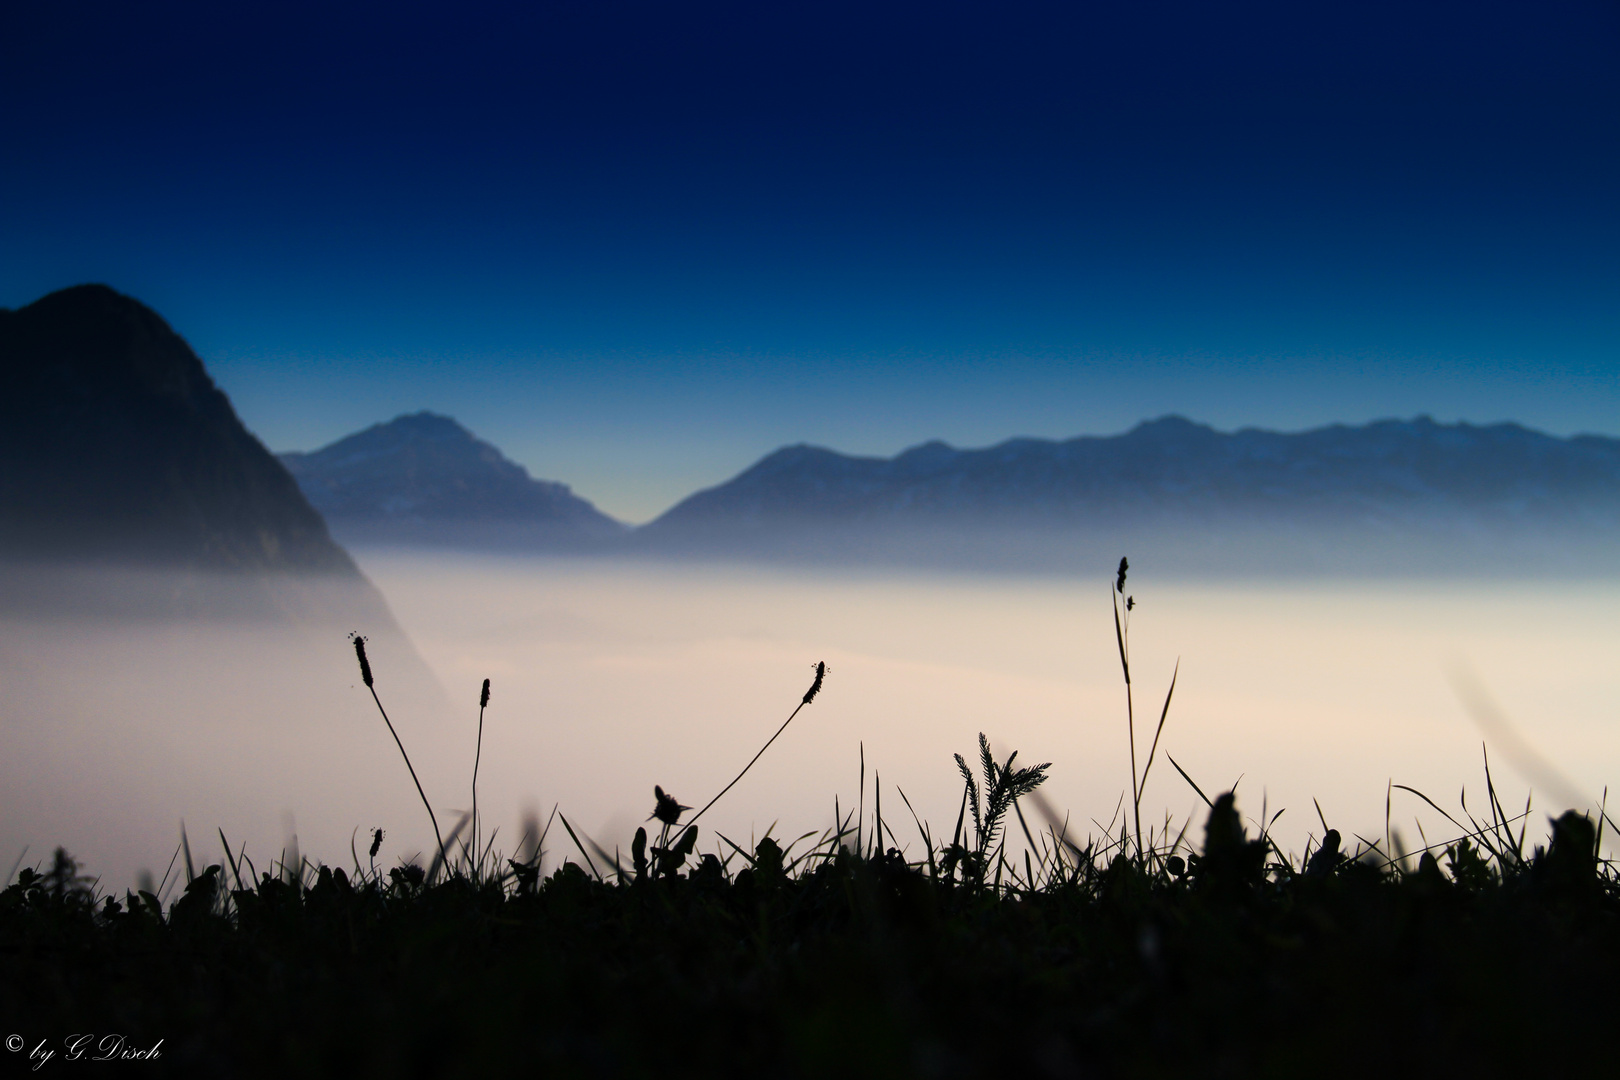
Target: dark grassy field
x=1231 y=963
x=1000 y=950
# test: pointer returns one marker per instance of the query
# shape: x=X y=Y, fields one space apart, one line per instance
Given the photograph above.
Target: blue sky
x=638 y=245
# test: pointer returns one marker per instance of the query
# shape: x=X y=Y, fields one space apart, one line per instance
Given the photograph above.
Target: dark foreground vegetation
x=1000 y=951
x=1236 y=962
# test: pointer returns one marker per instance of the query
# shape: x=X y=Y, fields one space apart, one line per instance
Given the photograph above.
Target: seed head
x=1119 y=582
x=360 y=652
x=667 y=809
x=1130 y=602
x=815 y=687
x=483 y=699
x=376 y=842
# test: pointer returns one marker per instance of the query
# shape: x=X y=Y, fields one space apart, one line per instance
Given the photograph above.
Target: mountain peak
x=115 y=444
x=1170 y=426
x=423 y=477
x=96 y=340
x=934 y=454
x=426 y=425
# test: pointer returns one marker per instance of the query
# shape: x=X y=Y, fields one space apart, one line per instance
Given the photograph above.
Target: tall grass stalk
x=809 y=696
x=365 y=676
x=1121 y=638
x=478 y=754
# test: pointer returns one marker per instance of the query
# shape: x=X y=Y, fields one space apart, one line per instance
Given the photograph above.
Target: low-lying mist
x=612 y=676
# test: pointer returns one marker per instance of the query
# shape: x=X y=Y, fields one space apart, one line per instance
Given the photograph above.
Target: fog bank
x=609 y=677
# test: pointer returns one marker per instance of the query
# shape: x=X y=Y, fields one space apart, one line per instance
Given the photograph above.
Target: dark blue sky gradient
x=639 y=245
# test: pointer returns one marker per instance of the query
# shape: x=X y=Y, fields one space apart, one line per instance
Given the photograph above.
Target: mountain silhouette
x=1394 y=493
x=115 y=445
x=1331 y=496
x=425 y=479
x=1174 y=467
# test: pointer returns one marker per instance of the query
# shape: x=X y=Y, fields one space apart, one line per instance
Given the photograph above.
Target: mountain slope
x=116 y=445
x=424 y=478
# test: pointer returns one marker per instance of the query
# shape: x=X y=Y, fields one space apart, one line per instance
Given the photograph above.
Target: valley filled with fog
x=610 y=676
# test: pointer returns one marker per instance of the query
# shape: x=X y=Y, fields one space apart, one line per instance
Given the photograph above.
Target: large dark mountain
x=425 y=479
x=115 y=445
x=133 y=499
x=1412 y=491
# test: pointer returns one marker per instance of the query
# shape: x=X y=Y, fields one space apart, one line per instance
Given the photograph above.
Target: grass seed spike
x=809 y=696
x=365 y=676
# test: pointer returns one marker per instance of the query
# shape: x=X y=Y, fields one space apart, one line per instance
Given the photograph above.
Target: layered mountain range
x=115 y=444
x=1175 y=469
x=1391 y=493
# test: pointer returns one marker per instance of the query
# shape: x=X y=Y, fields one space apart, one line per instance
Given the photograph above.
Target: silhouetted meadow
x=1008 y=945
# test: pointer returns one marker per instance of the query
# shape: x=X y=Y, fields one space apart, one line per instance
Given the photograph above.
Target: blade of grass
x=169 y=871
x=1182 y=835
x=15 y=863
x=1050 y=814
x=1023 y=824
x=1431 y=802
x=1603 y=807
x=489 y=847
x=860 y=817
x=806 y=857
x=749 y=859
x=1189 y=780
x=564 y=819
x=1372 y=846
x=231 y=859
x=928 y=842
x=438 y=860
x=1163 y=713
x=883 y=827
x=961 y=817
x=608 y=860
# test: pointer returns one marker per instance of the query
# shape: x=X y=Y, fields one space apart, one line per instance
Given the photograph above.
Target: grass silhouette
x=1135 y=951
x=365 y=677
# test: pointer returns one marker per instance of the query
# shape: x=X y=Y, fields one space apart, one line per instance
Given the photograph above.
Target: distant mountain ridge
x=1172 y=467
x=1409 y=494
x=1392 y=492
x=423 y=478
x=115 y=445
